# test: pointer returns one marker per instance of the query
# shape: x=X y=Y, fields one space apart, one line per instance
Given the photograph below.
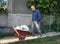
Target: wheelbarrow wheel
x=21 y=37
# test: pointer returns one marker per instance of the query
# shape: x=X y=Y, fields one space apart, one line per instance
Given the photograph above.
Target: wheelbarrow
x=21 y=31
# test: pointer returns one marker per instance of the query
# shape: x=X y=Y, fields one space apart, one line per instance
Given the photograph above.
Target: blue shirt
x=36 y=15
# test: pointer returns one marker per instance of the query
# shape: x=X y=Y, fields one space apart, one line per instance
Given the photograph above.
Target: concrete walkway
x=7 y=40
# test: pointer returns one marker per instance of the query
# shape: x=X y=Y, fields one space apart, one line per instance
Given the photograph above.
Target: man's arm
x=39 y=15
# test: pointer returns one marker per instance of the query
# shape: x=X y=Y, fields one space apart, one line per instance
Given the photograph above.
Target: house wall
x=19 y=19
x=18 y=14
x=3 y=20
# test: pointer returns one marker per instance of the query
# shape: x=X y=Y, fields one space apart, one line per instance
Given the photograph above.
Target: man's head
x=33 y=8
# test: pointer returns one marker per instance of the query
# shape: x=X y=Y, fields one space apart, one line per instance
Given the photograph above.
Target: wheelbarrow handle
x=16 y=31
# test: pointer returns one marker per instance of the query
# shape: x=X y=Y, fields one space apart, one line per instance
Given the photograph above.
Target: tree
x=45 y=6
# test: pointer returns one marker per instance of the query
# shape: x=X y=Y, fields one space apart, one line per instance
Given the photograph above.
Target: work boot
x=33 y=34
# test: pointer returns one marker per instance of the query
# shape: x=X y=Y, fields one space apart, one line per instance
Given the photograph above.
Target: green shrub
x=56 y=25
x=3 y=8
x=3 y=11
x=45 y=6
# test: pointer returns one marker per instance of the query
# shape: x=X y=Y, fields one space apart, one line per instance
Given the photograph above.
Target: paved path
x=7 y=40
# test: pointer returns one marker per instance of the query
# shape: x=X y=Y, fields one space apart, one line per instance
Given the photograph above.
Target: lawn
x=5 y=34
x=46 y=40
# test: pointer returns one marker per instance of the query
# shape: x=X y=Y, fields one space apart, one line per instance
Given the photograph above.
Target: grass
x=5 y=34
x=46 y=40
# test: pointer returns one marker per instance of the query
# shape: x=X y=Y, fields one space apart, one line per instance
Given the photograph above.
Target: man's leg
x=32 y=27
x=38 y=27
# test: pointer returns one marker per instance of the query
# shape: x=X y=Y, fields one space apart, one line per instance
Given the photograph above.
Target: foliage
x=3 y=8
x=45 y=6
x=3 y=11
x=56 y=25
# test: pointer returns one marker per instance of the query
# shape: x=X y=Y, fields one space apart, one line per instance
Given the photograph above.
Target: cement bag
x=23 y=28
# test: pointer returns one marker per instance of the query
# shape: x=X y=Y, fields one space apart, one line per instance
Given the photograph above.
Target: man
x=36 y=18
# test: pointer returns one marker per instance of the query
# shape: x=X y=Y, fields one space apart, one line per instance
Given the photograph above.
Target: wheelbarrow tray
x=21 y=32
